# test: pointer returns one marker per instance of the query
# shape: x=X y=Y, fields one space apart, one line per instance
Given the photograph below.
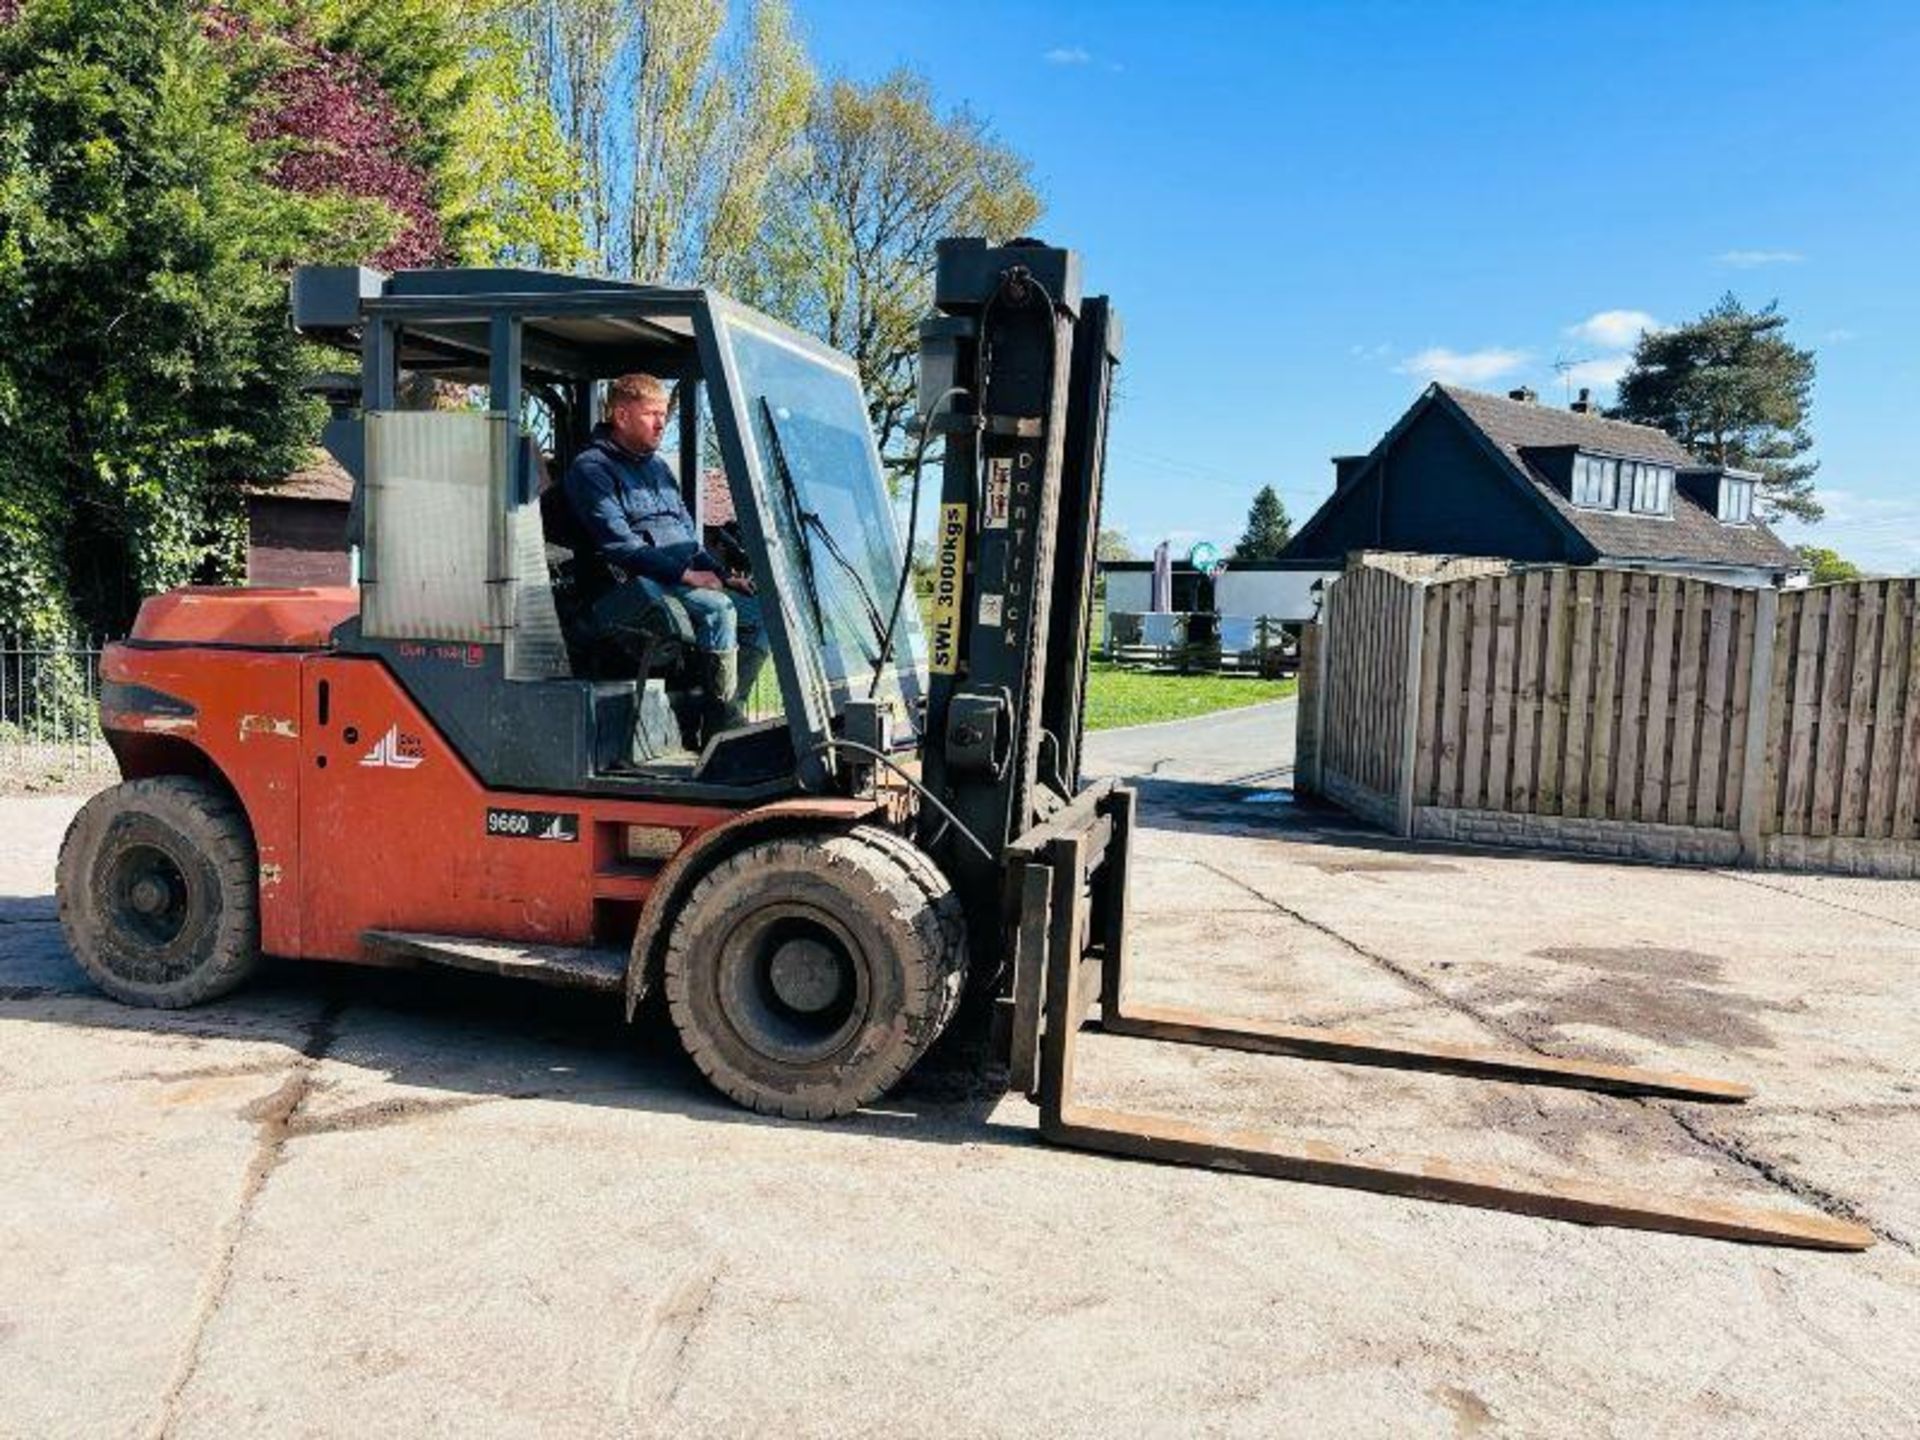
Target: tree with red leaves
x=337 y=134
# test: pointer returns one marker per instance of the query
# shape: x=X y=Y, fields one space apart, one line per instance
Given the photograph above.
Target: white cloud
x=1068 y=55
x=1754 y=259
x=1613 y=329
x=1603 y=371
x=1470 y=367
x=1370 y=352
x=1839 y=337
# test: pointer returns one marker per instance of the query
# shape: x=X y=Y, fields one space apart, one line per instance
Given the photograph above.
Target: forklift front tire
x=806 y=975
x=159 y=892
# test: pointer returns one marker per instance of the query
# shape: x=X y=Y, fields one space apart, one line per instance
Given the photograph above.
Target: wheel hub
x=148 y=895
x=806 y=975
x=792 y=982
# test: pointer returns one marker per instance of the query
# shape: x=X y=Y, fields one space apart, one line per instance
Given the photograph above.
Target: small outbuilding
x=297 y=527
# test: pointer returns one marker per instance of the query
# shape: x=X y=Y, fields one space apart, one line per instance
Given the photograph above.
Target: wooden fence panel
x=1631 y=697
x=1367 y=693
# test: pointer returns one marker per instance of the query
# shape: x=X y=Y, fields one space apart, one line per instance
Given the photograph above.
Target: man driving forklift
x=628 y=500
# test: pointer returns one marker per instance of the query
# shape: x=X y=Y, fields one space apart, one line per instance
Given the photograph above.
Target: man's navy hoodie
x=630 y=504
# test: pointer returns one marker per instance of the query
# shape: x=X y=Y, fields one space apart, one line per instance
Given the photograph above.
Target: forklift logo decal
x=949 y=573
x=395 y=750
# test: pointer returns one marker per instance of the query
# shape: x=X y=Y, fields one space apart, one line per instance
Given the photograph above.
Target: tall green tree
x=1732 y=388
x=681 y=125
x=1268 y=528
x=849 y=251
x=146 y=367
x=1112 y=544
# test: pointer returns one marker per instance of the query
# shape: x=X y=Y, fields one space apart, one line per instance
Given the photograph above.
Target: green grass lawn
x=1118 y=697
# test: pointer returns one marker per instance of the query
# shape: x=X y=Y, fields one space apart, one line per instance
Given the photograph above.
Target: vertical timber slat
x=1754 y=747
x=1506 y=601
x=1554 y=730
x=1866 y=671
x=1710 y=791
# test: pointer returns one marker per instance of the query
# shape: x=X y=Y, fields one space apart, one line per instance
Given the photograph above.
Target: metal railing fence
x=50 y=709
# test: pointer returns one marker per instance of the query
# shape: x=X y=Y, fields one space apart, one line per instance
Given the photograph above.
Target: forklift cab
x=467 y=577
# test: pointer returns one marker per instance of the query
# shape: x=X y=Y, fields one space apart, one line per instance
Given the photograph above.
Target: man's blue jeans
x=709 y=620
x=722 y=619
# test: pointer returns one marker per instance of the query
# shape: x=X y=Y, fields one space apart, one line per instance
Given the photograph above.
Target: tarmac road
x=376 y=1204
x=1249 y=746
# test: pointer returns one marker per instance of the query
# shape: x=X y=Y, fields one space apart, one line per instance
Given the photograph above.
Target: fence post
x=1410 y=714
x=1753 y=763
x=1306 y=718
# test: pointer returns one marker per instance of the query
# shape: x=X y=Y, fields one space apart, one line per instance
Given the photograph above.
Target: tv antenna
x=1563 y=366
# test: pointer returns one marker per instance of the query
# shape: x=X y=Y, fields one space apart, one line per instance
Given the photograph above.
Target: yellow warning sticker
x=949 y=578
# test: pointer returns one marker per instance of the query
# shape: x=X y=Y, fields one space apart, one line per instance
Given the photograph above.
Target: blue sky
x=1305 y=211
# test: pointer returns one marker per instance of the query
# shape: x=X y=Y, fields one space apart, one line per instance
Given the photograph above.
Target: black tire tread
x=219 y=828
x=902 y=880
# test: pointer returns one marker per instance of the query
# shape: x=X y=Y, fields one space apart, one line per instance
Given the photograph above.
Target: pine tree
x=1268 y=528
x=1733 y=389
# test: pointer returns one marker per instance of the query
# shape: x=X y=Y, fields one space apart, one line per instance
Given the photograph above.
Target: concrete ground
x=375 y=1204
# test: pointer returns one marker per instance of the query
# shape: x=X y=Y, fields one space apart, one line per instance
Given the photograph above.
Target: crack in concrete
x=1726 y=1147
x=657 y=1366
x=1817 y=900
x=273 y=1114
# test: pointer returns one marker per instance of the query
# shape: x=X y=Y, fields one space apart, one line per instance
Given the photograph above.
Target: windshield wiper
x=811 y=521
x=792 y=493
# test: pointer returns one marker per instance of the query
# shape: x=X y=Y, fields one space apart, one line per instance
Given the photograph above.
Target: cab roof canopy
x=572 y=327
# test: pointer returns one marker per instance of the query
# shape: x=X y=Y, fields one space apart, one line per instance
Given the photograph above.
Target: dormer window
x=1651 y=487
x=1596 y=482
x=1603 y=483
x=1736 y=501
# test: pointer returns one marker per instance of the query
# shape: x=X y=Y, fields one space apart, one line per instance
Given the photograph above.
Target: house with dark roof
x=1465 y=473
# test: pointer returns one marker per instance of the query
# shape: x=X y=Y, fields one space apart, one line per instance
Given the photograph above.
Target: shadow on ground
x=466 y=1039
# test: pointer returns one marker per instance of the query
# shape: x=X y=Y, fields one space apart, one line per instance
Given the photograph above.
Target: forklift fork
x=1070 y=955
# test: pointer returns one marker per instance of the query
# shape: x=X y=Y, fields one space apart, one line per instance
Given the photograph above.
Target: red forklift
x=438 y=767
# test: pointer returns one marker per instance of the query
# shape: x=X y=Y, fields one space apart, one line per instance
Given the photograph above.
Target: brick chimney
x=1584 y=405
x=1524 y=394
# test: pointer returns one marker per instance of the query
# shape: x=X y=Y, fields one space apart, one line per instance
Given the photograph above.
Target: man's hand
x=742 y=583
x=702 y=580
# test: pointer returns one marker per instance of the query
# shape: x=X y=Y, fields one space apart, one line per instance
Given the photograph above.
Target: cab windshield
x=827 y=508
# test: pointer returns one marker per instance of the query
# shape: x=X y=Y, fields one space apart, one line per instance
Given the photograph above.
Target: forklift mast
x=1016 y=371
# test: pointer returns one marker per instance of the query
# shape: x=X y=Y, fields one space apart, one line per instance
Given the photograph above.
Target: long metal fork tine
x=1063 y=978
x=1174 y=1142
x=1192 y=1027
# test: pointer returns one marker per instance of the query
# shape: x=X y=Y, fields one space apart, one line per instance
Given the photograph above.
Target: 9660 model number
x=533 y=825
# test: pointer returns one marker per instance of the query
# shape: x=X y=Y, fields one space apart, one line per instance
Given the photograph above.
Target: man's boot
x=752 y=661
x=720 y=679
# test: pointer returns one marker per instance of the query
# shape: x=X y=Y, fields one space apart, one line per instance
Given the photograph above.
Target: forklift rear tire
x=159 y=892
x=807 y=974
